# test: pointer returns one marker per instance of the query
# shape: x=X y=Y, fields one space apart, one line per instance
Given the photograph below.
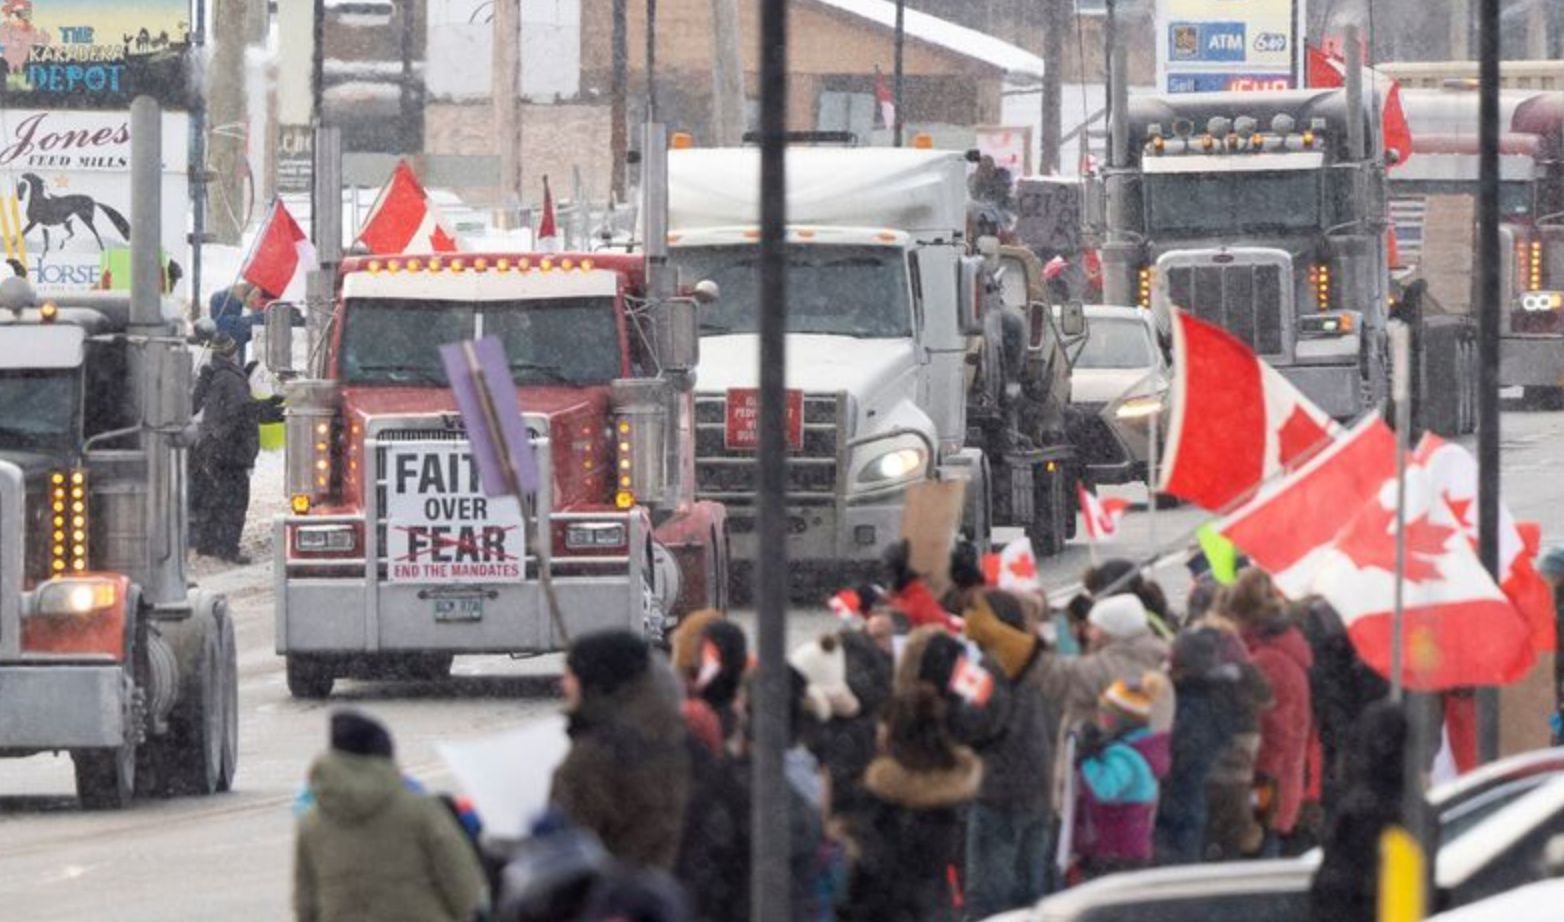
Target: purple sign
x=480 y=376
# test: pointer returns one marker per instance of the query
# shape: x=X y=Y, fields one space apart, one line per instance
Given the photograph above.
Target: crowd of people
x=952 y=755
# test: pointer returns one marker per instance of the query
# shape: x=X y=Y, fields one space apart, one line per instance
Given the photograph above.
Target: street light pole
x=898 y=78
x=1488 y=307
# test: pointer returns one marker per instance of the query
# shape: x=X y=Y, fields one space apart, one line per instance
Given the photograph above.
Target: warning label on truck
x=440 y=528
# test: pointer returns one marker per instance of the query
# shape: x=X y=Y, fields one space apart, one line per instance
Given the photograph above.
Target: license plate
x=458 y=609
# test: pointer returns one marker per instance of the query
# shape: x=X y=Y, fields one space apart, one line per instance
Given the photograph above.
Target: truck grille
x=731 y=476
x=1244 y=299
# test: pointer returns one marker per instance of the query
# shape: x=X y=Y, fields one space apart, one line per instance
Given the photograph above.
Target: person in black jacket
x=224 y=454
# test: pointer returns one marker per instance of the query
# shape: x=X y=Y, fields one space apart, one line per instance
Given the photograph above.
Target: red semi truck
x=391 y=560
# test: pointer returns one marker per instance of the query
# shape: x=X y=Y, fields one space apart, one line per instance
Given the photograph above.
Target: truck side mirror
x=681 y=334
x=971 y=285
x=279 y=339
x=1072 y=319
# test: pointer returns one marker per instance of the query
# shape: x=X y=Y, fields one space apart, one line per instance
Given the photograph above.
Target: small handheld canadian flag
x=1101 y=515
x=548 y=228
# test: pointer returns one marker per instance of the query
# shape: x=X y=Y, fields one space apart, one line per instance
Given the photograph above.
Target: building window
x=854 y=112
x=1091 y=7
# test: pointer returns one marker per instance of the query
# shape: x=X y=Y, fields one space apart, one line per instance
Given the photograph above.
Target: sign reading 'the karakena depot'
x=440 y=527
x=94 y=54
x=67 y=176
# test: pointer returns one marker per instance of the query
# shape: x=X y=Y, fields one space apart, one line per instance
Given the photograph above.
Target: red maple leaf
x=1370 y=542
x=1460 y=508
x=441 y=242
x=1300 y=434
x=1023 y=568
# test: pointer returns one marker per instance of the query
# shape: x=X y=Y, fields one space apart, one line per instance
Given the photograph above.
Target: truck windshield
x=39 y=408
x=1201 y=204
x=570 y=341
x=841 y=290
x=1115 y=343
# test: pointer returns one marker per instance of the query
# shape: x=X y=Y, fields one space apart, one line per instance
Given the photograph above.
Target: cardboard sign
x=929 y=522
x=440 y=527
x=486 y=393
x=743 y=422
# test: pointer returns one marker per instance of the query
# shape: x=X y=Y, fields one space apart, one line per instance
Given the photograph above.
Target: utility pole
x=412 y=141
x=899 y=78
x=1055 y=17
x=1488 y=306
x=651 y=60
x=198 y=123
x=505 y=88
x=619 y=92
x=226 y=113
x=770 y=848
x=727 y=75
x=1460 y=29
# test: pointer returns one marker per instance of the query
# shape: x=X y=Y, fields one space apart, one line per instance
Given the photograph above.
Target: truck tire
x=1050 y=509
x=978 y=517
x=105 y=778
x=198 y=726
x=308 y=679
x=228 y=655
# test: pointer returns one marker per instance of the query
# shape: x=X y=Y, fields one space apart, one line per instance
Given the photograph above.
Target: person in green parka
x=372 y=848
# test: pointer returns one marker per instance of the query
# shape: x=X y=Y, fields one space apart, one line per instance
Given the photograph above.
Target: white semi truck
x=902 y=364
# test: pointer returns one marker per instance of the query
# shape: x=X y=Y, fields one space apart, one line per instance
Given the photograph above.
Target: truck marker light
x=625 y=481
x=1157 y=144
x=1207 y=143
x=480 y=265
x=434 y=264
x=565 y=265
x=58 y=565
x=57 y=478
x=524 y=264
x=624 y=499
x=805 y=233
x=458 y=265
x=374 y=267
x=887 y=236
x=1257 y=142
x=300 y=503
x=923 y=141
x=624 y=426
x=393 y=265
x=413 y=265
x=1308 y=139
x=586 y=265
x=752 y=234
x=1535 y=264
x=546 y=265
x=503 y=265
x=681 y=140
x=48 y=312
x=624 y=464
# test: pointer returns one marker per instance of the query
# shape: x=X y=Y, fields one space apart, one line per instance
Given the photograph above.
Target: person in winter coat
x=1120 y=645
x=626 y=776
x=1010 y=826
x=1346 y=886
x=845 y=745
x=237 y=311
x=724 y=658
x=906 y=837
x=1341 y=687
x=224 y=454
x=371 y=848
x=1282 y=655
x=1220 y=694
x=1119 y=767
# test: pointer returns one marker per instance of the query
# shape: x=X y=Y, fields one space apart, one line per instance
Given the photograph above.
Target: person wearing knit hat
x=371 y=845
x=1120 y=617
x=626 y=776
x=685 y=641
x=823 y=664
x=1120 y=765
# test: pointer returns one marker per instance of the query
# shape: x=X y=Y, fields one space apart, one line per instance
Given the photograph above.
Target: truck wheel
x=198 y=725
x=308 y=679
x=228 y=656
x=978 y=518
x=105 y=778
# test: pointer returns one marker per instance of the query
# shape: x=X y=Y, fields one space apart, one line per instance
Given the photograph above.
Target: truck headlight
x=325 y=539
x=1140 y=407
x=67 y=597
x=897 y=464
x=589 y=535
x=1538 y=301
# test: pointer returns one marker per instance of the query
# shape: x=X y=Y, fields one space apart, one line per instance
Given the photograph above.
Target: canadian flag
x=1101 y=515
x=1014 y=567
x=1236 y=422
x=884 y=99
x=1453 y=473
x=1287 y=528
x=972 y=682
x=1327 y=67
x=548 y=229
x=1459 y=628
x=282 y=257
x=404 y=220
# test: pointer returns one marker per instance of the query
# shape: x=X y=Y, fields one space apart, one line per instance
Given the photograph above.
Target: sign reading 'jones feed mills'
x=1219 y=45
x=94 y=54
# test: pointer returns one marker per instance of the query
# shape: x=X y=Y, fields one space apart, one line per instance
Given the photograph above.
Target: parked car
x=1498 y=827
x=1119 y=384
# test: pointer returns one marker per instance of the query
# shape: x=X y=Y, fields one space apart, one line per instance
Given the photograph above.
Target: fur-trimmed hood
x=895 y=783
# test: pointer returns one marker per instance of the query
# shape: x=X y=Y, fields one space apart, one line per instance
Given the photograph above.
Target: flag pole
x=1151 y=475
x=1401 y=392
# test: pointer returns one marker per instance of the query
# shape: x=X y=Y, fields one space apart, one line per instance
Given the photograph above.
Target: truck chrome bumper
x=1531 y=361
x=61 y=706
x=849 y=533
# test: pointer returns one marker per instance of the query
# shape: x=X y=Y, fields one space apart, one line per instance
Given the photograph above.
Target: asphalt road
x=229 y=857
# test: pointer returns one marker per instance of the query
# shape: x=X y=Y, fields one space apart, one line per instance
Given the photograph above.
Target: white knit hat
x=823 y=664
x=1121 y=616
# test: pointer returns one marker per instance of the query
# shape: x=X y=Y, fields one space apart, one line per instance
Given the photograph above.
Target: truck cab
x=1251 y=211
x=106 y=650
x=392 y=559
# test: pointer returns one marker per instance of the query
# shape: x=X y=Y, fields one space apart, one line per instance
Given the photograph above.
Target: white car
x=1119 y=382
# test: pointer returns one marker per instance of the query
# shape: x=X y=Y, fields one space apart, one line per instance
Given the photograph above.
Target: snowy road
x=230 y=856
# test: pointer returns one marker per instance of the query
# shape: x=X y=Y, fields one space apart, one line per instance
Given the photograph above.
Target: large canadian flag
x=282 y=257
x=404 y=220
x=1101 y=515
x=1453 y=472
x=1459 y=627
x=1327 y=67
x=1236 y=422
x=1287 y=528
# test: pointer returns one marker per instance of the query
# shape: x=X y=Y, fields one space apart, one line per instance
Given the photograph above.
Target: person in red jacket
x=1280 y=651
